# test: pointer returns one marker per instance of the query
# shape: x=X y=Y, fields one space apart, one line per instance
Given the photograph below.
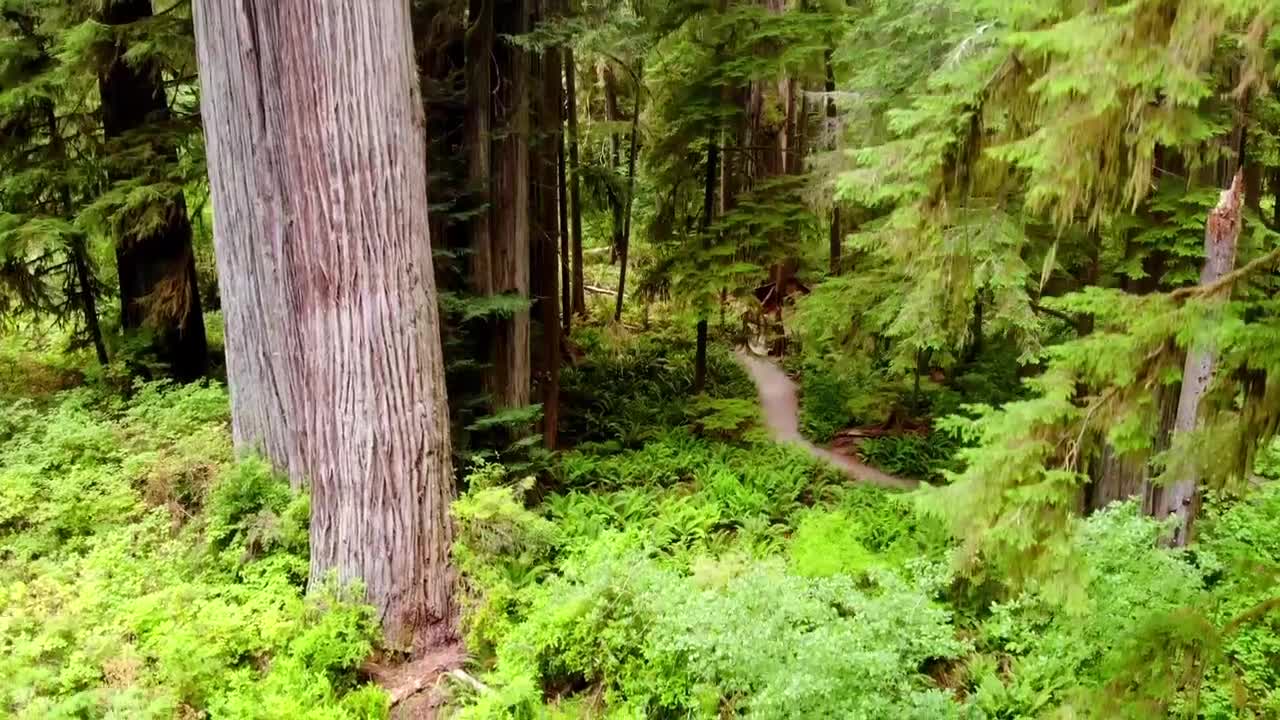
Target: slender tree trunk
x=976 y=329
x=837 y=236
x=631 y=194
x=612 y=115
x=85 y=295
x=479 y=92
x=483 y=258
x=317 y=165
x=511 y=370
x=88 y=301
x=1221 y=237
x=157 y=268
x=562 y=194
x=575 y=194
x=1275 y=198
x=708 y=210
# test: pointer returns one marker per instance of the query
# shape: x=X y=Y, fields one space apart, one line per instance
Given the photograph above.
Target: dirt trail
x=782 y=416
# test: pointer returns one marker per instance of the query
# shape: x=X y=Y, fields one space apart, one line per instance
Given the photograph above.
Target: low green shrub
x=919 y=456
x=144 y=574
x=753 y=639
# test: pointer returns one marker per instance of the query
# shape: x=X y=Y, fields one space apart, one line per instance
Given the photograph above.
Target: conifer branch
x=1199 y=291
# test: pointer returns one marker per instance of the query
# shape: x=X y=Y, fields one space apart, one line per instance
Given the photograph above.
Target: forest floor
x=416 y=689
x=780 y=409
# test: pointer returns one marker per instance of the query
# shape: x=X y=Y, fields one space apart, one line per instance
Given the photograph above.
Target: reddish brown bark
x=317 y=164
x=510 y=206
x=546 y=232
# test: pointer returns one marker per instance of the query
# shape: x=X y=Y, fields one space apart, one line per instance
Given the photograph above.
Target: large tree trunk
x=317 y=168
x=575 y=194
x=511 y=368
x=1221 y=237
x=157 y=268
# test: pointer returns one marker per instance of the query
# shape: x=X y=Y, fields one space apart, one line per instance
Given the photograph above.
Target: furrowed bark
x=317 y=163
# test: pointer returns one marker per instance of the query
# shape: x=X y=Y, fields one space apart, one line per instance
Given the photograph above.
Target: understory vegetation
x=147 y=574
x=675 y=563
x=629 y=359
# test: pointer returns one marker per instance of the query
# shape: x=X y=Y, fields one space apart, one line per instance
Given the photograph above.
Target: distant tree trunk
x=85 y=295
x=612 y=115
x=631 y=196
x=975 y=330
x=570 y=81
x=511 y=370
x=478 y=126
x=837 y=237
x=478 y=137
x=708 y=210
x=1221 y=237
x=1120 y=477
x=88 y=301
x=562 y=195
x=325 y=267
x=546 y=294
x=157 y=268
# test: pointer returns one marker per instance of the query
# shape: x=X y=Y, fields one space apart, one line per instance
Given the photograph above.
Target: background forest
x=279 y=438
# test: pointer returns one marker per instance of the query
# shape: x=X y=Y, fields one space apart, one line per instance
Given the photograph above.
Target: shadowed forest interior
x=639 y=359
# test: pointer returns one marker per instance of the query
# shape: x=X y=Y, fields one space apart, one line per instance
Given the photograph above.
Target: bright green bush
x=633 y=392
x=143 y=574
x=755 y=640
x=1068 y=655
x=595 y=600
x=919 y=456
x=1268 y=463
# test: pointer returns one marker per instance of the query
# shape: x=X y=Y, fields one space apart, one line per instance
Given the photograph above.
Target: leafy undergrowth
x=696 y=570
x=675 y=564
x=144 y=574
x=745 y=581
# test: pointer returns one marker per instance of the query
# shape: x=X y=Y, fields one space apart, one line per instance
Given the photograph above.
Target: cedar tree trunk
x=317 y=163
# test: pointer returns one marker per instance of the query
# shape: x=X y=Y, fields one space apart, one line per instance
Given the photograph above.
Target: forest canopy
x=641 y=358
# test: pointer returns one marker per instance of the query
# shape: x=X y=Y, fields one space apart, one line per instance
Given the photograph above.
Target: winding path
x=782 y=416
